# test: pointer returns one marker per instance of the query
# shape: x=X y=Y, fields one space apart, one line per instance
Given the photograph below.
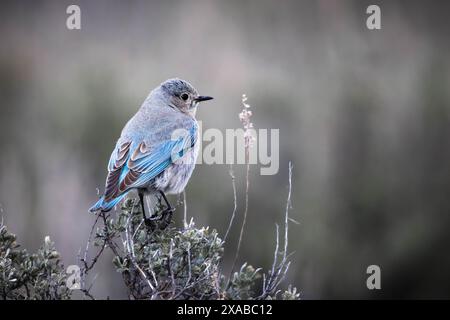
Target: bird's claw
x=168 y=211
x=150 y=223
x=164 y=219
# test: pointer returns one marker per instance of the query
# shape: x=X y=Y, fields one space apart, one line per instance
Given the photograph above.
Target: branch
x=233 y=181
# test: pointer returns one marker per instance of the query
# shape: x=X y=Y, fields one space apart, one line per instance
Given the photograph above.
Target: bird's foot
x=166 y=218
x=152 y=221
x=151 y=224
x=161 y=220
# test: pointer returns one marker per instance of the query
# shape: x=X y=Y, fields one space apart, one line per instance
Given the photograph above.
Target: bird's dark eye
x=184 y=96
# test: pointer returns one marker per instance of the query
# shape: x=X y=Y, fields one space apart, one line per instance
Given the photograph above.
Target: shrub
x=38 y=276
x=177 y=263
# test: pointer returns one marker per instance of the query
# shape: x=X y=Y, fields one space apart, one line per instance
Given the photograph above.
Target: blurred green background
x=363 y=115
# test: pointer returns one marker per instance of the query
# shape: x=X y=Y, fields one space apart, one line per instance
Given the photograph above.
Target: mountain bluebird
x=157 y=149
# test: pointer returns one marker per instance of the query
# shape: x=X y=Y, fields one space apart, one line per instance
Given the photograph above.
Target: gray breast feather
x=174 y=179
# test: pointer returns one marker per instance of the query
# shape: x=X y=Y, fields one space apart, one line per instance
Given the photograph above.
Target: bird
x=157 y=149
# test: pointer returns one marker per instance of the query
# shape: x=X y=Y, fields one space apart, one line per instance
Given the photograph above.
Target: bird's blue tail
x=103 y=206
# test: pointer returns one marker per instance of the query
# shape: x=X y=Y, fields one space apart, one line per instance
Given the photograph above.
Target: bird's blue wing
x=133 y=164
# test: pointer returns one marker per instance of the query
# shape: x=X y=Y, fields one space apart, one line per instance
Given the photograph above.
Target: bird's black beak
x=203 y=98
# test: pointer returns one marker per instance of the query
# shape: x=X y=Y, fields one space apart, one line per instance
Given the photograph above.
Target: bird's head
x=182 y=95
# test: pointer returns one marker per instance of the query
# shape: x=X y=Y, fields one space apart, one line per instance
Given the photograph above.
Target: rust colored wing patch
x=140 y=152
x=133 y=175
x=112 y=181
x=129 y=179
x=122 y=154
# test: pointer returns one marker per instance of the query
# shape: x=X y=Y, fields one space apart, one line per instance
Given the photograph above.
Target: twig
x=87 y=267
x=169 y=260
x=87 y=293
x=233 y=181
x=187 y=283
x=278 y=271
x=144 y=276
x=185 y=209
x=108 y=235
x=286 y=215
x=247 y=186
x=275 y=252
x=244 y=117
x=94 y=260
